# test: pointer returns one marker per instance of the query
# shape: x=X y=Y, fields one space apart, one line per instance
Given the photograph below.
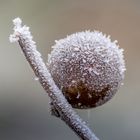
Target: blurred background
x=24 y=110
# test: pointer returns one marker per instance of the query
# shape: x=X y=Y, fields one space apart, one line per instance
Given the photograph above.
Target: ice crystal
x=20 y=30
x=36 y=78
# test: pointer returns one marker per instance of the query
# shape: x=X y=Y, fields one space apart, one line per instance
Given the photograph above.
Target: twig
x=63 y=109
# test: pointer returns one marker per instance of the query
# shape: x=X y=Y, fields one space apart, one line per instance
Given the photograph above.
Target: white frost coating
x=20 y=30
x=17 y=22
x=23 y=36
x=91 y=56
x=78 y=95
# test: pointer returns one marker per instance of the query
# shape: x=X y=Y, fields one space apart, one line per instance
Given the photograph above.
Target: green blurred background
x=24 y=110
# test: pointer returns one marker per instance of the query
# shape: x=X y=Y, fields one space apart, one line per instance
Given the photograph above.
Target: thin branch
x=64 y=110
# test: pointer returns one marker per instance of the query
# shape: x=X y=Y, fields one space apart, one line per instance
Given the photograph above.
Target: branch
x=64 y=110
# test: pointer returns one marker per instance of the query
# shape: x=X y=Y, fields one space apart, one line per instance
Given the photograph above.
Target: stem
x=64 y=109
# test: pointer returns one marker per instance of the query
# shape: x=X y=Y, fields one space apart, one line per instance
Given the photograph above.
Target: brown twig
x=60 y=106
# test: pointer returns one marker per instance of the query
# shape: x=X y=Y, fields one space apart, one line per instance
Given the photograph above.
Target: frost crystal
x=90 y=56
x=20 y=30
x=36 y=78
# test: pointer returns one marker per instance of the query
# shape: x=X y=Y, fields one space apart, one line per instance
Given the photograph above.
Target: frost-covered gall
x=87 y=67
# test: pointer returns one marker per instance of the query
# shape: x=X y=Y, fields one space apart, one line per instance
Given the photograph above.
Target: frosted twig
x=23 y=36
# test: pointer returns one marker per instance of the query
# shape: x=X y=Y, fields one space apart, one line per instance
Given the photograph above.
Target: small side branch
x=60 y=105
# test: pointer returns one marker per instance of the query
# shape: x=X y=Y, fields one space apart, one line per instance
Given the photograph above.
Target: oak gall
x=87 y=67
